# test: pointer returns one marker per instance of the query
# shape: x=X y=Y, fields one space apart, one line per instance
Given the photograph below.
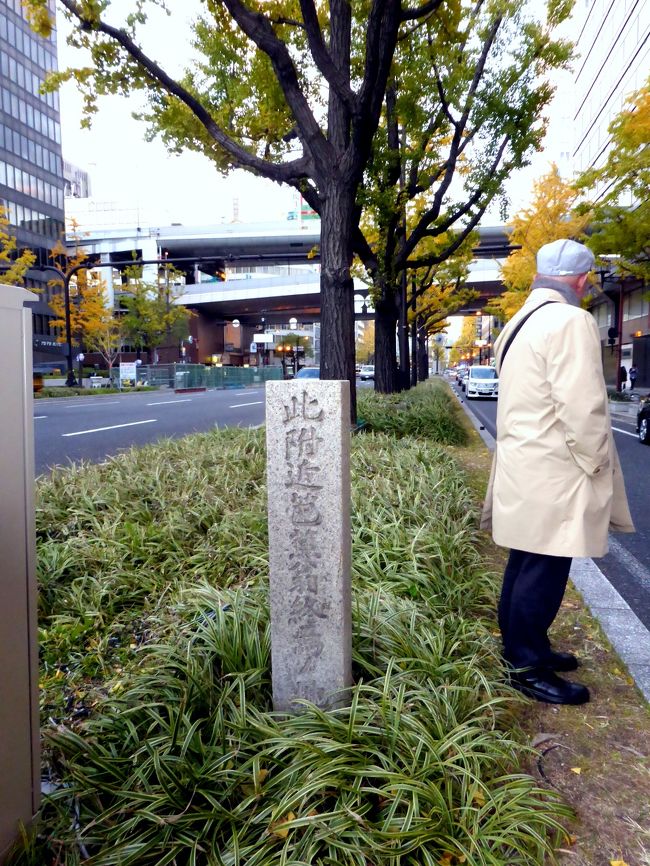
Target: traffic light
x=611 y=336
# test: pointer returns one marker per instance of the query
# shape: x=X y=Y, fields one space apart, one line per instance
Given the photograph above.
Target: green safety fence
x=198 y=376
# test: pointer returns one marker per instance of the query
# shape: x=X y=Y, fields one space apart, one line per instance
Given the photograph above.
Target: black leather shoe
x=544 y=685
x=562 y=661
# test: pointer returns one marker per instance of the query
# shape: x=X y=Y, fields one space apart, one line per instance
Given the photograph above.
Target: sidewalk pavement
x=624 y=630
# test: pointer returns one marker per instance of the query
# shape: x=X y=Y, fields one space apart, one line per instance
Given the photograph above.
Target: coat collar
x=557 y=285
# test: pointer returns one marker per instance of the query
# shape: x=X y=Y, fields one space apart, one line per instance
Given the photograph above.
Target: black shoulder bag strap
x=518 y=328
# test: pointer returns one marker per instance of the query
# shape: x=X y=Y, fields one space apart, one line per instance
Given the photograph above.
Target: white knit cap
x=564 y=258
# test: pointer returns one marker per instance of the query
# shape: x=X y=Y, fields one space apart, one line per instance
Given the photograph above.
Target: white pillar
x=106 y=274
x=19 y=724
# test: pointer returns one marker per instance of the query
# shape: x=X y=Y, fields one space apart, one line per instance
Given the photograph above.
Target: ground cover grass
x=161 y=746
x=64 y=391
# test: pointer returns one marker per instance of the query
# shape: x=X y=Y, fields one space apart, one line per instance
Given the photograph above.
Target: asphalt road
x=91 y=428
x=67 y=430
x=627 y=565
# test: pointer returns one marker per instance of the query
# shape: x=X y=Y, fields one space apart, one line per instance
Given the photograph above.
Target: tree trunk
x=386 y=316
x=422 y=356
x=403 y=337
x=337 y=290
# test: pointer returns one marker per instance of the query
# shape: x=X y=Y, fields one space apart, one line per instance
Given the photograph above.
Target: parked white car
x=482 y=382
x=367 y=372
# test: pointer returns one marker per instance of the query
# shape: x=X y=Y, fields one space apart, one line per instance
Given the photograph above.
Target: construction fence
x=199 y=376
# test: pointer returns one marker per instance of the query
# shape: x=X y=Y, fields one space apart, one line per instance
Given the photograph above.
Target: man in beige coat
x=556 y=487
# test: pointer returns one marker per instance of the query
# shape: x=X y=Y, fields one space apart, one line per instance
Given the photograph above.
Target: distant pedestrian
x=556 y=486
x=622 y=373
x=633 y=373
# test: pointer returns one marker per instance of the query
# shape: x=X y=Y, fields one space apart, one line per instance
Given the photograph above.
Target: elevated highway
x=216 y=248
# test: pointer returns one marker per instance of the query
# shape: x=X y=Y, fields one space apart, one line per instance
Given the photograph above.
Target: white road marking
x=246 y=393
x=626 y=432
x=239 y=405
x=36 y=417
x=114 y=427
x=639 y=571
x=168 y=402
x=85 y=403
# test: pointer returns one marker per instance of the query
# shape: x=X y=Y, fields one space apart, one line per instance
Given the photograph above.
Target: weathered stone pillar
x=19 y=733
x=308 y=476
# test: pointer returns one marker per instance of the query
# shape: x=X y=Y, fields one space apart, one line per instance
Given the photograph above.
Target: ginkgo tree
x=437 y=292
x=150 y=315
x=93 y=323
x=290 y=90
x=551 y=215
x=618 y=190
x=463 y=109
x=14 y=263
x=464 y=347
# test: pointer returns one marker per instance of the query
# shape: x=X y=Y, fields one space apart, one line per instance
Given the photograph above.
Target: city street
x=627 y=566
x=91 y=428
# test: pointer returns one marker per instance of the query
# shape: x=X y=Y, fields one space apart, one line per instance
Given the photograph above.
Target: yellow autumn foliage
x=549 y=217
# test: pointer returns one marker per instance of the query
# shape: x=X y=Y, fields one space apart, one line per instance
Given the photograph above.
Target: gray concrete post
x=308 y=477
x=19 y=725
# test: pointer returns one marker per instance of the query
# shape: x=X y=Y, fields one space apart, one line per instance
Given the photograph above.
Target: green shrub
x=619 y=396
x=160 y=737
x=428 y=411
x=63 y=391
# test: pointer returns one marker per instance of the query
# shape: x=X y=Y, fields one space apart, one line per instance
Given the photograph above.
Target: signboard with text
x=128 y=372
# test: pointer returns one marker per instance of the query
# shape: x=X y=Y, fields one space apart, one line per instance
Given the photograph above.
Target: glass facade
x=31 y=165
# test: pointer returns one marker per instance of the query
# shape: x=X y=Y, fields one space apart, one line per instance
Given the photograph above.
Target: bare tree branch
x=258 y=28
x=420 y=12
x=322 y=58
x=280 y=172
x=381 y=38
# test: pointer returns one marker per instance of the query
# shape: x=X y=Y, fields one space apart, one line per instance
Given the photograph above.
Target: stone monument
x=308 y=476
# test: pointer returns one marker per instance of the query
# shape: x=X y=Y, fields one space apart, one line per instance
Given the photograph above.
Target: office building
x=612 y=40
x=31 y=165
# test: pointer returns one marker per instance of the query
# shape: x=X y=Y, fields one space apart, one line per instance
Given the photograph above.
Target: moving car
x=308 y=373
x=643 y=423
x=367 y=371
x=481 y=382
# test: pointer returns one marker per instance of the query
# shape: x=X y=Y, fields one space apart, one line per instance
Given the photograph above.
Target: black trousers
x=533 y=589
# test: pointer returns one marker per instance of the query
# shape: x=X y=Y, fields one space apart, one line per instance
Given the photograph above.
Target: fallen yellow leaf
x=576 y=770
x=478 y=798
x=279 y=828
x=617 y=863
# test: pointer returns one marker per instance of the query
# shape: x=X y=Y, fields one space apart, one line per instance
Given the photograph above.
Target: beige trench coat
x=556 y=485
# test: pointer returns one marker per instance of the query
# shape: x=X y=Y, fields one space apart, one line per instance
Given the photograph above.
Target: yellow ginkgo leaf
x=576 y=770
x=279 y=828
x=478 y=798
x=617 y=863
x=261 y=776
